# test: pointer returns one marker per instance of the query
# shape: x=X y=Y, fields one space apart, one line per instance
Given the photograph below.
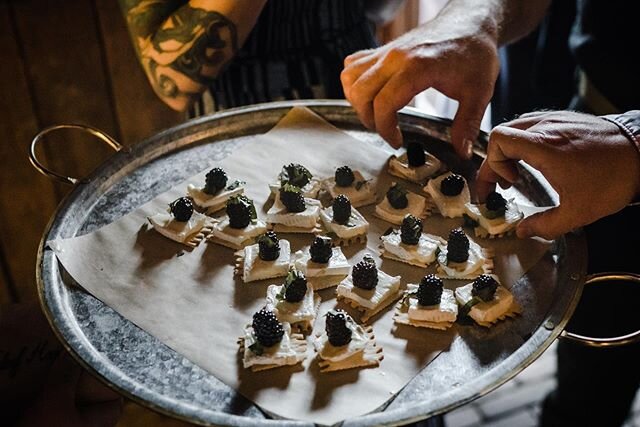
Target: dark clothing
x=595 y=386
x=603 y=40
x=295 y=51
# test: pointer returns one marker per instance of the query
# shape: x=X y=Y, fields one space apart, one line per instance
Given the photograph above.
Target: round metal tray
x=145 y=370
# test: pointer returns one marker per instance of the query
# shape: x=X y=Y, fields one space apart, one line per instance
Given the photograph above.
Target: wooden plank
x=27 y=199
x=64 y=66
x=140 y=112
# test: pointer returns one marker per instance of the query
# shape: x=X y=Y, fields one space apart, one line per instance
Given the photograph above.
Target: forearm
x=503 y=20
x=629 y=124
x=182 y=46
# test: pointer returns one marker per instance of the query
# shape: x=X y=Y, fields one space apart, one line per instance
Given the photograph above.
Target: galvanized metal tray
x=145 y=370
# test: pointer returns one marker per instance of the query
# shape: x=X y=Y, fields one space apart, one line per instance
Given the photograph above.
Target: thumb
x=549 y=224
x=466 y=126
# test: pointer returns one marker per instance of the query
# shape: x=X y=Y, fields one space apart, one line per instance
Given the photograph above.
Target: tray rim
x=53 y=304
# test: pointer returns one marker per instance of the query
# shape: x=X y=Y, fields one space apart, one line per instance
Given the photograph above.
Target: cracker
x=482 y=233
x=238 y=269
x=203 y=233
x=281 y=228
x=513 y=311
x=370 y=356
x=324 y=282
x=228 y=244
x=306 y=327
x=361 y=238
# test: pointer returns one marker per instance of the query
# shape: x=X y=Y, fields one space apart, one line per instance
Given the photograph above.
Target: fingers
x=466 y=125
x=507 y=145
x=364 y=92
x=548 y=224
x=395 y=94
x=356 y=56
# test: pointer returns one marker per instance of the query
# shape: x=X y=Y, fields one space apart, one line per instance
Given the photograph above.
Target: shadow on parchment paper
x=415 y=339
x=213 y=257
x=155 y=248
x=327 y=383
x=250 y=383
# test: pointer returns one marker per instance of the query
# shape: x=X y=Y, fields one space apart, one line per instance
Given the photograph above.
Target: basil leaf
x=235 y=184
x=257 y=348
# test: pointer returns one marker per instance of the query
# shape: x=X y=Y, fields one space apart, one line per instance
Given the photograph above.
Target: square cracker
x=370 y=356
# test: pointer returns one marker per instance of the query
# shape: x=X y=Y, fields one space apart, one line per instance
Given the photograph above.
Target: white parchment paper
x=191 y=301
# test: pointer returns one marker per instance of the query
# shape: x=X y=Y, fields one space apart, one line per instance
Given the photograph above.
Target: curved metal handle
x=62 y=178
x=612 y=341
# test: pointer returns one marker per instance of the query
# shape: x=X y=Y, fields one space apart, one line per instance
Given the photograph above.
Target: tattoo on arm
x=181 y=47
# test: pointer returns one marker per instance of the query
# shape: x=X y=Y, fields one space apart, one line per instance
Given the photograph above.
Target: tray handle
x=54 y=175
x=609 y=341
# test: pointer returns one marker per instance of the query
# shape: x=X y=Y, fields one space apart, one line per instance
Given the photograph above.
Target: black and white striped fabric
x=295 y=51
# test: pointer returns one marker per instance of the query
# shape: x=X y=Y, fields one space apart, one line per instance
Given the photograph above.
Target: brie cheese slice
x=280 y=354
x=486 y=312
x=237 y=236
x=499 y=225
x=278 y=214
x=399 y=166
x=217 y=201
x=415 y=207
x=337 y=265
x=292 y=312
x=256 y=269
x=360 y=192
x=449 y=206
x=310 y=190
x=465 y=269
x=356 y=226
x=369 y=298
x=326 y=351
x=179 y=231
x=423 y=253
x=446 y=311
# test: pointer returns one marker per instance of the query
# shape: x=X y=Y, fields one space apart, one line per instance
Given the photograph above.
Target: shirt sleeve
x=629 y=124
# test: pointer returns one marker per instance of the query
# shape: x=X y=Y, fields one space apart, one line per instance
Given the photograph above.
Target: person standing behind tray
x=208 y=55
x=456 y=53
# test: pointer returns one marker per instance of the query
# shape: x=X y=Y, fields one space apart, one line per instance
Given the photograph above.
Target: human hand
x=72 y=398
x=454 y=56
x=588 y=160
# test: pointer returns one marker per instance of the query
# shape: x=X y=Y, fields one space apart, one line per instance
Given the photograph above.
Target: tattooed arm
x=182 y=45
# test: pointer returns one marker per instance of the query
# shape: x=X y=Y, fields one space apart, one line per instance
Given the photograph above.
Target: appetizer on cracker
x=344 y=222
x=410 y=245
x=294 y=301
x=181 y=223
x=398 y=203
x=215 y=193
x=427 y=305
x=462 y=258
x=485 y=301
x=345 y=345
x=324 y=265
x=353 y=185
x=268 y=258
x=268 y=344
x=416 y=165
x=299 y=176
x=495 y=218
x=293 y=213
x=241 y=225
x=450 y=193
x=368 y=289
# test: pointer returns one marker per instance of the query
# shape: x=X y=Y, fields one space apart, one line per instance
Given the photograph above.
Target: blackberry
x=344 y=176
x=397 y=196
x=365 y=273
x=181 y=209
x=295 y=286
x=268 y=246
x=215 y=181
x=336 y=327
x=321 y=249
x=241 y=211
x=415 y=154
x=430 y=290
x=341 y=209
x=452 y=185
x=457 y=246
x=295 y=174
x=484 y=287
x=267 y=328
x=411 y=230
x=292 y=198
x=496 y=204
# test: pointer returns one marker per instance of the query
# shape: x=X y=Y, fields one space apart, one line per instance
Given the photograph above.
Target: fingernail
x=467 y=147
